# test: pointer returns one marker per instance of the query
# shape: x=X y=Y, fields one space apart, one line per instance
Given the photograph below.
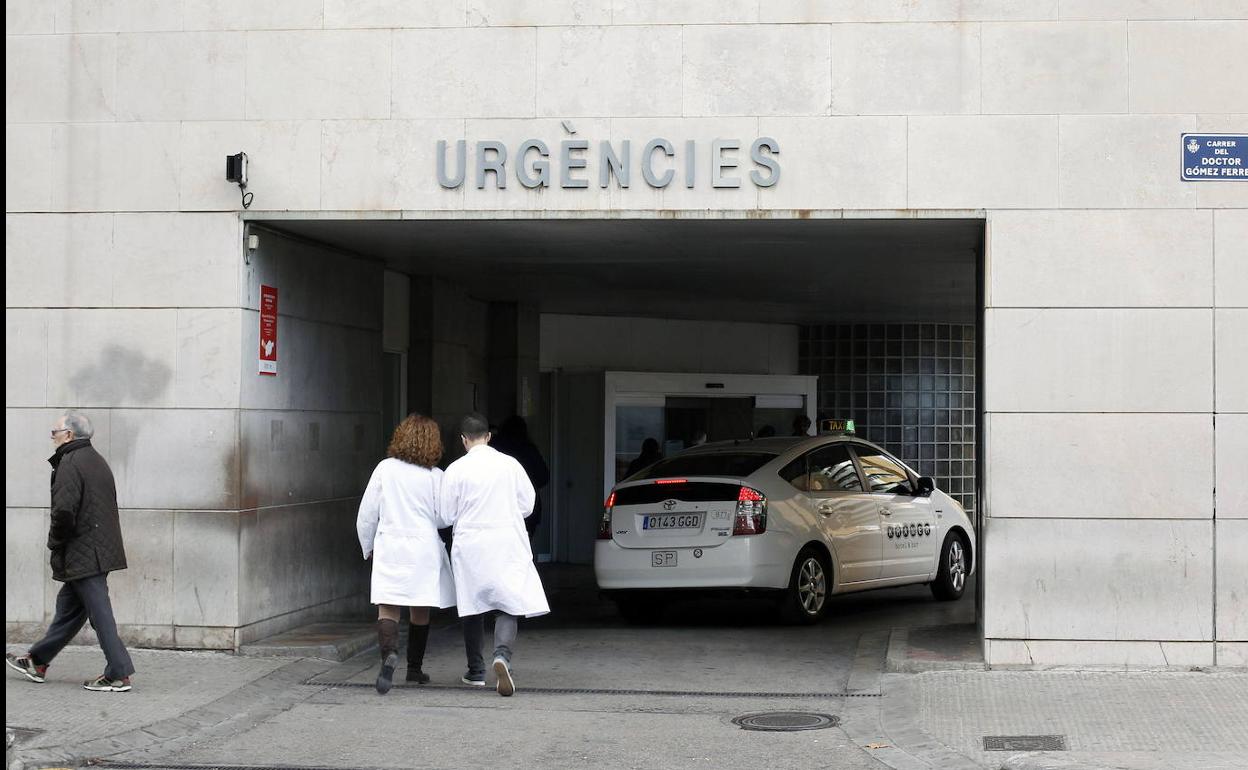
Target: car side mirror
x=926 y=486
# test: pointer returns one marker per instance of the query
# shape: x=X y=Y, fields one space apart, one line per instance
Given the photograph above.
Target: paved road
x=595 y=692
x=660 y=695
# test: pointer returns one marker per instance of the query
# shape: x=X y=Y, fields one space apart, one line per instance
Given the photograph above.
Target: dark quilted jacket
x=85 y=536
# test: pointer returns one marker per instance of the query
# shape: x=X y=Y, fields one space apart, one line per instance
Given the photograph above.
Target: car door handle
x=884 y=511
x=827 y=509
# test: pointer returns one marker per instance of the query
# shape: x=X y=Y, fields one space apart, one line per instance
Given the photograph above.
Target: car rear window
x=731 y=464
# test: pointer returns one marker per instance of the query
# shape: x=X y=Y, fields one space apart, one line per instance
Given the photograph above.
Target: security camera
x=236 y=169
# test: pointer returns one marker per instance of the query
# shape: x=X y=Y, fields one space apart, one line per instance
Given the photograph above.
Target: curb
x=1126 y=760
x=898 y=660
x=336 y=651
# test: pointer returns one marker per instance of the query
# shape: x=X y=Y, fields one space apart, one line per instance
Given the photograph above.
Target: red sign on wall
x=268 y=331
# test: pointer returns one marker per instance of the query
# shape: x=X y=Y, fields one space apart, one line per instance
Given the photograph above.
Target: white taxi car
x=802 y=518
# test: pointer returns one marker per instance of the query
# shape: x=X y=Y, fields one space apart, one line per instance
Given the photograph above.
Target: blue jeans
x=505 y=629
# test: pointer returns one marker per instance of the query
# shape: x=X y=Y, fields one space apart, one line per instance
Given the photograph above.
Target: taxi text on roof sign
x=1215 y=157
x=837 y=426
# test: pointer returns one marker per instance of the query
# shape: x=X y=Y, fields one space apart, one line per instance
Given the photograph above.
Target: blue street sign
x=1215 y=157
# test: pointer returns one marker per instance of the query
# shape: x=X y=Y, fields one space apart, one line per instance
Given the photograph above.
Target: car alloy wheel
x=957 y=566
x=812 y=586
x=953 y=571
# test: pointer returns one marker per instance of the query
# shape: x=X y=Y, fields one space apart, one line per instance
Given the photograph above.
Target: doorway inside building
x=678 y=411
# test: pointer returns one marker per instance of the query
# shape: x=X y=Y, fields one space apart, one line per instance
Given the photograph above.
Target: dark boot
x=417 y=640
x=388 y=643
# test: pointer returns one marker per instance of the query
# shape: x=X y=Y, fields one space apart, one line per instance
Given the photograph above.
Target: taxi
x=799 y=519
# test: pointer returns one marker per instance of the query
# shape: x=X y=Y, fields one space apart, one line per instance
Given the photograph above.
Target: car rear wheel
x=950 y=579
x=806 y=599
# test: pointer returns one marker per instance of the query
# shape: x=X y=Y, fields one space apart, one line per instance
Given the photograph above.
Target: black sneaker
x=104 y=684
x=506 y=685
x=24 y=665
x=476 y=680
x=385 y=679
x=417 y=676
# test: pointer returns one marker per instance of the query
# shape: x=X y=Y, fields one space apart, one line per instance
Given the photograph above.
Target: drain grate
x=600 y=691
x=1024 y=743
x=785 y=721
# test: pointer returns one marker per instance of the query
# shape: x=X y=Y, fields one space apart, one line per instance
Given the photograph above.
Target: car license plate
x=671 y=521
x=662 y=558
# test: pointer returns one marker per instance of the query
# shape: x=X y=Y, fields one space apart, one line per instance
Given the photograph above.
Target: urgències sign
x=575 y=163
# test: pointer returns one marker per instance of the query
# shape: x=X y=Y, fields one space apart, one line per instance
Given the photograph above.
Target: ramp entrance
x=722 y=327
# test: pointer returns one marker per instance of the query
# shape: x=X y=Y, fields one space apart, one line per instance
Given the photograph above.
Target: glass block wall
x=908 y=387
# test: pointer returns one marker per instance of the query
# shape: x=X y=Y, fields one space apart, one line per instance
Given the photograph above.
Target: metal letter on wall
x=719 y=163
x=542 y=167
x=614 y=165
x=461 y=157
x=497 y=164
x=647 y=163
x=766 y=161
x=691 y=163
x=567 y=163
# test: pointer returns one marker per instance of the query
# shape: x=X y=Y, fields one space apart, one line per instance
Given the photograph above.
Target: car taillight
x=604 y=526
x=751 y=513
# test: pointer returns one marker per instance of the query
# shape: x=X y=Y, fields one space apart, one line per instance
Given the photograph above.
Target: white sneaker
x=506 y=685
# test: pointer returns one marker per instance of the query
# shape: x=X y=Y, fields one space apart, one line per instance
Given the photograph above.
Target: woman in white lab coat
x=398 y=529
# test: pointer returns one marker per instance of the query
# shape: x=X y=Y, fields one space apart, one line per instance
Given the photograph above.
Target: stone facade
x=1115 y=379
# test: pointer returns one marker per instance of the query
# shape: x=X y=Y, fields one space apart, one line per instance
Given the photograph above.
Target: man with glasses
x=85 y=541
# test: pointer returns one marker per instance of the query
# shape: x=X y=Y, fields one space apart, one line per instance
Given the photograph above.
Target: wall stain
x=121 y=377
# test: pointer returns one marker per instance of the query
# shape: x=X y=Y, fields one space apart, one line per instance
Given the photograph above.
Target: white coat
x=398 y=525
x=486 y=496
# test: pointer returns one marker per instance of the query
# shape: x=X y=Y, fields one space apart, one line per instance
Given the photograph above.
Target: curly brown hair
x=417 y=440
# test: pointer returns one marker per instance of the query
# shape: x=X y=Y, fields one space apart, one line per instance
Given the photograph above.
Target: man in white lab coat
x=486 y=497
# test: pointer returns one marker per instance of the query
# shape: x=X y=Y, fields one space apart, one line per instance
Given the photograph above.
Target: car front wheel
x=950 y=579
x=806 y=599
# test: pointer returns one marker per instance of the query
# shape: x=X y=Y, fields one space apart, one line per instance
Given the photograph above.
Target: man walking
x=513 y=440
x=486 y=497
x=85 y=541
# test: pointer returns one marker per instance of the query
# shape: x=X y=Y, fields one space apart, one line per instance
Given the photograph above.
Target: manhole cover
x=785 y=721
x=1024 y=743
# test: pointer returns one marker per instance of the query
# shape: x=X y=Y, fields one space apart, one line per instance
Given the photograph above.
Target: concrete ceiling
x=777 y=271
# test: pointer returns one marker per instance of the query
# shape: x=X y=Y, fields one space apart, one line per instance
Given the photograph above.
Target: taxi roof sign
x=836 y=426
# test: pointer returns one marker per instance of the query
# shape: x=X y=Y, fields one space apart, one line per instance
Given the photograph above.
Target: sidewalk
x=625 y=699
x=177 y=695
x=1129 y=720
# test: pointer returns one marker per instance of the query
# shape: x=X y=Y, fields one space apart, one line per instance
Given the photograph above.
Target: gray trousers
x=80 y=601
x=505 y=629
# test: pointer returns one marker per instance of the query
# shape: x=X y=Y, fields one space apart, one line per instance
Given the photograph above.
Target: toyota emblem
x=669 y=505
